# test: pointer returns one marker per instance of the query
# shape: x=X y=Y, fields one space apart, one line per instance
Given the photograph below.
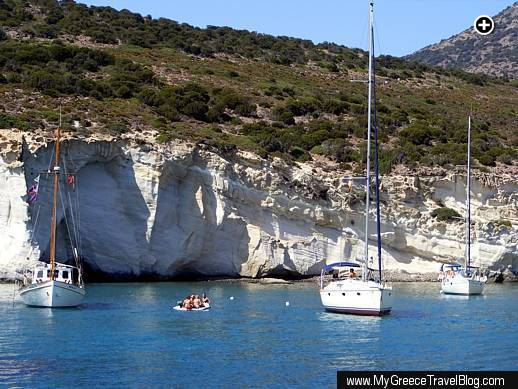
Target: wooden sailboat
x=349 y=292
x=53 y=284
x=464 y=279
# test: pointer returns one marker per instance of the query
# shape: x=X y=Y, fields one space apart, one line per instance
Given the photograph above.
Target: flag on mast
x=32 y=192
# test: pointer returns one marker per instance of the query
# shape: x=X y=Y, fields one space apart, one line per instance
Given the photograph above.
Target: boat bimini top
x=451 y=266
x=338 y=265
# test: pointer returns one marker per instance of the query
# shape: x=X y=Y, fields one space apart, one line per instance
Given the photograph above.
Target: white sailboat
x=53 y=284
x=365 y=293
x=464 y=279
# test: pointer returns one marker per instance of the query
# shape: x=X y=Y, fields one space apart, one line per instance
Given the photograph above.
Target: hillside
x=495 y=54
x=123 y=74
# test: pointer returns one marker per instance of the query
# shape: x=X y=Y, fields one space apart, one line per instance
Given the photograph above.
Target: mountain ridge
x=495 y=54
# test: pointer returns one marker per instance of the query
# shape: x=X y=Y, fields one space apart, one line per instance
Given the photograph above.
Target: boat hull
x=462 y=286
x=52 y=294
x=179 y=308
x=357 y=298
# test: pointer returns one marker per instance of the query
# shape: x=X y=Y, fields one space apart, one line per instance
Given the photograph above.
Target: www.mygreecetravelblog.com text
x=413 y=379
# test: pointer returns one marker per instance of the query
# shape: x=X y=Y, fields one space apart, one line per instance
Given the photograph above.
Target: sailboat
x=347 y=291
x=53 y=284
x=464 y=279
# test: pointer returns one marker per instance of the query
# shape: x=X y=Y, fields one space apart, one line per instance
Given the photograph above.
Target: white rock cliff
x=178 y=210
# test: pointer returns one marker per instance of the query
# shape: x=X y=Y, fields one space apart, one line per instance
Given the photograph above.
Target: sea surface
x=128 y=335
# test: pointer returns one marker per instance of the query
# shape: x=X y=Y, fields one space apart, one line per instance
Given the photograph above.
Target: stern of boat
x=357 y=297
x=462 y=286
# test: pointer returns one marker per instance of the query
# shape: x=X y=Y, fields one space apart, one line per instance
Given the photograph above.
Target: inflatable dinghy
x=177 y=307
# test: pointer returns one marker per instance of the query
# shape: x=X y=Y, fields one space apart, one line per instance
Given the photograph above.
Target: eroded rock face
x=177 y=209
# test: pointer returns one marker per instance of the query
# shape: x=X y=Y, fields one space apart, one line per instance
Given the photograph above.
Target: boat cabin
x=341 y=270
x=41 y=273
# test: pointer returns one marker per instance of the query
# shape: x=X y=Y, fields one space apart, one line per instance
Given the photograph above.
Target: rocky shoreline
x=389 y=276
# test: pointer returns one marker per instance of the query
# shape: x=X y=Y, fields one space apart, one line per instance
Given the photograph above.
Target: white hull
x=357 y=297
x=462 y=285
x=52 y=294
x=178 y=308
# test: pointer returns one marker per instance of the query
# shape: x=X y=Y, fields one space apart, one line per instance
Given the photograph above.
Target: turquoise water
x=128 y=335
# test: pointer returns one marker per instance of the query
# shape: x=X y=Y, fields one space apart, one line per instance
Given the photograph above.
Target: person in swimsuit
x=196 y=302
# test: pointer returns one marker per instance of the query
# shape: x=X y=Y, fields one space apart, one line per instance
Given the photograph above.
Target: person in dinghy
x=194 y=302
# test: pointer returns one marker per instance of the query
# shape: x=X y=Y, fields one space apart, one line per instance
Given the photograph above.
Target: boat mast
x=55 y=203
x=468 y=199
x=368 y=172
x=376 y=169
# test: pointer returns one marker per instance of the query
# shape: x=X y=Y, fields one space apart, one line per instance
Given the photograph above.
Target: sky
x=402 y=26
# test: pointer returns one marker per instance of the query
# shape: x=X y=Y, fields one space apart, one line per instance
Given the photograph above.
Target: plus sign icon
x=484 y=25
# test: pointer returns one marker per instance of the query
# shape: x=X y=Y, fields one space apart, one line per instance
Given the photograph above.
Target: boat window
x=64 y=274
x=56 y=273
x=40 y=274
x=48 y=273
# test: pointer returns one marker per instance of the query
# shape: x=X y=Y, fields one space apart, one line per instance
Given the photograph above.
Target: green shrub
x=387 y=160
x=11 y=121
x=226 y=98
x=245 y=109
x=503 y=223
x=335 y=106
x=382 y=108
x=169 y=111
x=220 y=145
x=149 y=97
x=303 y=106
x=444 y=154
x=124 y=92
x=288 y=91
x=319 y=150
x=487 y=160
x=419 y=134
x=215 y=115
x=165 y=137
x=331 y=66
x=196 y=109
x=339 y=150
x=299 y=154
x=43 y=79
x=232 y=74
x=118 y=128
x=287 y=118
x=506 y=157
x=445 y=214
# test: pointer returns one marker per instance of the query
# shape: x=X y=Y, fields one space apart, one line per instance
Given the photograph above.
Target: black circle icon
x=484 y=25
